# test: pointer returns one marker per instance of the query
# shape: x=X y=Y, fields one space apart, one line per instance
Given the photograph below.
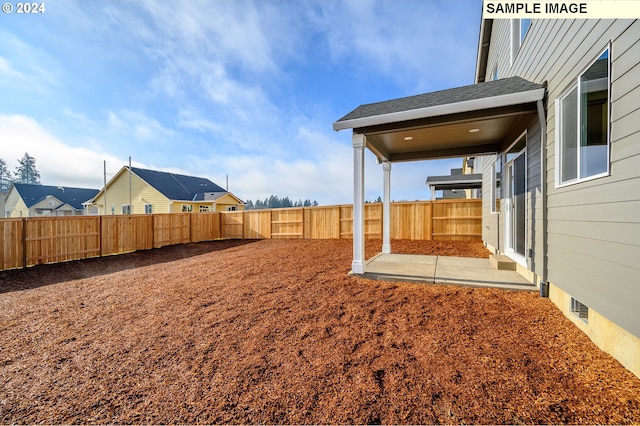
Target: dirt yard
x=276 y=332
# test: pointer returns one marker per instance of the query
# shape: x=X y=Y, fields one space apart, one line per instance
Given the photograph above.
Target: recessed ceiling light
x=408 y=138
x=474 y=130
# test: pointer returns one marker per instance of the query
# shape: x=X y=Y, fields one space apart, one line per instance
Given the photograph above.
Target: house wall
x=226 y=201
x=141 y=194
x=593 y=226
x=15 y=205
x=3 y=199
x=176 y=206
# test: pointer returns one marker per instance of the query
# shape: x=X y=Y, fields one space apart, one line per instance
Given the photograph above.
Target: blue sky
x=248 y=89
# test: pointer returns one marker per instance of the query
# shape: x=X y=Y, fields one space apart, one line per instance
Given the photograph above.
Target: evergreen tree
x=26 y=171
x=5 y=177
x=275 y=202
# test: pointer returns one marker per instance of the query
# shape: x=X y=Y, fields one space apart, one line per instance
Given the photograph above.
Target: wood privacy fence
x=32 y=241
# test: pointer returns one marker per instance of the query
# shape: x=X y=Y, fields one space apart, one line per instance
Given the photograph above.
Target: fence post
x=303 y=223
x=430 y=220
x=242 y=224
x=24 y=242
x=100 y=236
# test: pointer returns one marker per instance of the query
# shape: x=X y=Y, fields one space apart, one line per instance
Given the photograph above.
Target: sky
x=242 y=89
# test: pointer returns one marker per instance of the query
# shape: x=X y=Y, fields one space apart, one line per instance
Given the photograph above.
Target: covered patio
x=474 y=120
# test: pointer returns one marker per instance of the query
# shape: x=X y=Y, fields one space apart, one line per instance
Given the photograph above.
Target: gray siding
x=534 y=199
x=593 y=226
x=490 y=221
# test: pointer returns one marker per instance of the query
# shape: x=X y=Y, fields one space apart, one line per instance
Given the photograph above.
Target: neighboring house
x=3 y=199
x=554 y=120
x=460 y=184
x=27 y=200
x=143 y=191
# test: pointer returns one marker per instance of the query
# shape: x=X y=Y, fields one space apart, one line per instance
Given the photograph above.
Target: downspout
x=544 y=284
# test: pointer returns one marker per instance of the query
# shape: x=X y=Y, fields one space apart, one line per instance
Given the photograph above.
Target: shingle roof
x=454 y=178
x=33 y=194
x=471 y=92
x=175 y=186
x=473 y=180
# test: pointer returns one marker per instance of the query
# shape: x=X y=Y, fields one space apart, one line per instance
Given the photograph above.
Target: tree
x=275 y=202
x=26 y=171
x=5 y=177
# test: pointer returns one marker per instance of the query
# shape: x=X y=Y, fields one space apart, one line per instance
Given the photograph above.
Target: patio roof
x=469 y=120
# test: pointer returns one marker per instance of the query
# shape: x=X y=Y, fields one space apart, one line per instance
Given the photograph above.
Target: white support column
x=386 y=208
x=358 y=141
x=432 y=189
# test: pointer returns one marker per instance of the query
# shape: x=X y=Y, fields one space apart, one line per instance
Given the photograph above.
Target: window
x=519 y=30
x=231 y=208
x=496 y=176
x=582 y=125
x=187 y=208
x=148 y=208
x=580 y=310
x=495 y=75
x=524 y=28
x=126 y=209
x=204 y=209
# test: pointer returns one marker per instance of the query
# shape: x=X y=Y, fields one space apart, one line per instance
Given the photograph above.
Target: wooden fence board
x=346 y=221
x=11 y=249
x=231 y=225
x=171 y=228
x=126 y=233
x=60 y=239
x=256 y=224
x=287 y=223
x=30 y=241
x=205 y=226
x=457 y=220
x=322 y=222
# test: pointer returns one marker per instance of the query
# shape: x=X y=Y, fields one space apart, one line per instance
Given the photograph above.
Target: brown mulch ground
x=276 y=332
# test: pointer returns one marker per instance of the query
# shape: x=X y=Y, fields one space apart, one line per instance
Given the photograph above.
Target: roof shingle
x=471 y=92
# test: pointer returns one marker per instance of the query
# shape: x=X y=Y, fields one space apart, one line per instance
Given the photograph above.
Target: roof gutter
x=440 y=110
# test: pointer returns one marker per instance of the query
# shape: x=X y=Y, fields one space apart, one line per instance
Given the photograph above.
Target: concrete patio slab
x=443 y=270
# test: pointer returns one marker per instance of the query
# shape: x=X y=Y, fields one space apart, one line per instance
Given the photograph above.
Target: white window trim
x=575 y=84
x=510 y=252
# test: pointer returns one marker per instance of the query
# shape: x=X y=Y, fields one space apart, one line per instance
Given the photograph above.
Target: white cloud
x=58 y=163
x=413 y=44
x=139 y=126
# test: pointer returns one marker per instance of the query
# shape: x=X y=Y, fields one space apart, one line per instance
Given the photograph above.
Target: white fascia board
x=454 y=181
x=446 y=109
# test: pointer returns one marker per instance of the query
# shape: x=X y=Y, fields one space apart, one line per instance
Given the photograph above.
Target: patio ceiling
x=469 y=120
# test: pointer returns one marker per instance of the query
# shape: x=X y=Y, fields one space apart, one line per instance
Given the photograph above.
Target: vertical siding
x=593 y=226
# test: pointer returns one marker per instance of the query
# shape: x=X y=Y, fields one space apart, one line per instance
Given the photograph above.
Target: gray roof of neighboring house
x=33 y=194
x=209 y=196
x=469 y=181
x=489 y=89
x=178 y=187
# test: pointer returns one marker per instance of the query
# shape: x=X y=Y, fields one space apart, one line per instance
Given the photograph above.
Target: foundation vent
x=580 y=310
